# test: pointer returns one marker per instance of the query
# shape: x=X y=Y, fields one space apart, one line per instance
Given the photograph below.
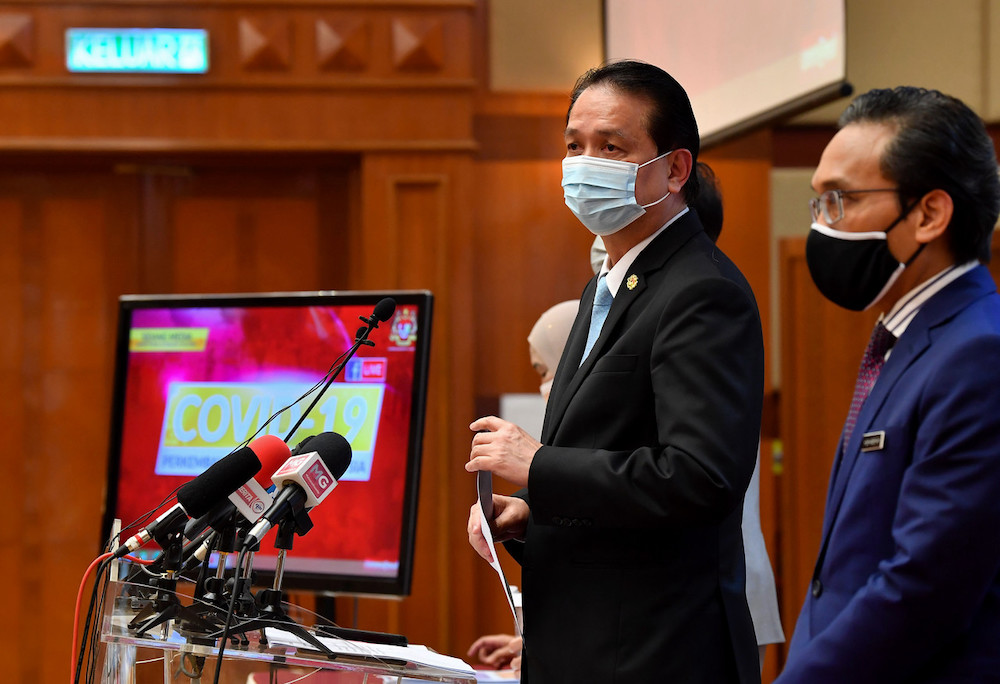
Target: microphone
x=383 y=310
x=198 y=496
x=252 y=497
x=304 y=481
x=381 y=313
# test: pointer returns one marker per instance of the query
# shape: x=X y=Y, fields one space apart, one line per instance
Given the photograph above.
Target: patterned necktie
x=602 y=304
x=871 y=365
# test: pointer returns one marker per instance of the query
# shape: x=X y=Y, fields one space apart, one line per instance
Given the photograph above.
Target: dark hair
x=939 y=143
x=671 y=122
x=708 y=203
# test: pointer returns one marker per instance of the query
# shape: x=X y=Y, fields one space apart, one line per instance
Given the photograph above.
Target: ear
x=681 y=166
x=934 y=212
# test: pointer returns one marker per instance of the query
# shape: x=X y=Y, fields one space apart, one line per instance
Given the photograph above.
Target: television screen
x=196 y=376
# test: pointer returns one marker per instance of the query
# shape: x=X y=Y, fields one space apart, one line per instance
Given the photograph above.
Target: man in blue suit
x=907 y=584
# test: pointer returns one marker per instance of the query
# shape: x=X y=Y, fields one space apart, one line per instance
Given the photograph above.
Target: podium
x=168 y=651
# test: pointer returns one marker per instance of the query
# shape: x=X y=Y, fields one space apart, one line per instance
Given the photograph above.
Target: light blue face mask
x=601 y=192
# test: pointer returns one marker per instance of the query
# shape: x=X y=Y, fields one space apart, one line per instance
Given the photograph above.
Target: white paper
x=421 y=655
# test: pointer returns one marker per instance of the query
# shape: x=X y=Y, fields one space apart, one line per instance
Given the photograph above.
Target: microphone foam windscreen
x=334 y=450
x=384 y=309
x=272 y=451
x=300 y=448
x=219 y=480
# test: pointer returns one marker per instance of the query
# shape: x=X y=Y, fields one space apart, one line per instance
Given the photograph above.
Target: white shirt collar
x=906 y=309
x=617 y=273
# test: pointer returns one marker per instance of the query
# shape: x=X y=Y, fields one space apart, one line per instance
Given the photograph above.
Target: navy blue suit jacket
x=907 y=588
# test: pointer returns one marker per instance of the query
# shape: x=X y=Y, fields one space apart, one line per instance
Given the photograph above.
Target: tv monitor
x=196 y=376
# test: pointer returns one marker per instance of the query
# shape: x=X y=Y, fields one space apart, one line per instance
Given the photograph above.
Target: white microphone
x=304 y=481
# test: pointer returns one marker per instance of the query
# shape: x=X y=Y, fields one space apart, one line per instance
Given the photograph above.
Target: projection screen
x=743 y=62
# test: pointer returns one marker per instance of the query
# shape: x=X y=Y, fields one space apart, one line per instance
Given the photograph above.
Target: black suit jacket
x=633 y=558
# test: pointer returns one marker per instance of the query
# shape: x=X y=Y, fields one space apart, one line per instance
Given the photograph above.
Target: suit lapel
x=910 y=347
x=568 y=363
x=570 y=373
x=914 y=342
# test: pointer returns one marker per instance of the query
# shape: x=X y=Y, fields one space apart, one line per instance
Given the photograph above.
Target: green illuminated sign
x=120 y=50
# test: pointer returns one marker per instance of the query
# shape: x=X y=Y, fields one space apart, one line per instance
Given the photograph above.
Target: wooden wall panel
x=285 y=236
x=62 y=312
x=12 y=408
x=413 y=231
x=821 y=346
x=743 y=170
x=72 y=241
x=307 y=75
x=531 y=253
x=207 y=246
x=744 y=173
x=234 y=230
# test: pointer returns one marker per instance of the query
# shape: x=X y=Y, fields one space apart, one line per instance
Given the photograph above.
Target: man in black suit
x=628 y=526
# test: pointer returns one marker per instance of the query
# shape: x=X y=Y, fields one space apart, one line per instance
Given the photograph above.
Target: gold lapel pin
x=632 y=281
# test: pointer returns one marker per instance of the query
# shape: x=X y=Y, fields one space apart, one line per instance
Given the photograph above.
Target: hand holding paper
x=509 y=521
x=486 y=506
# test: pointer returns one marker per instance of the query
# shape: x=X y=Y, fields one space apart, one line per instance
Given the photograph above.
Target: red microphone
x=251 y=498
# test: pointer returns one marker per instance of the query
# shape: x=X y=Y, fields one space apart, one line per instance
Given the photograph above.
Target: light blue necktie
x=602 y=304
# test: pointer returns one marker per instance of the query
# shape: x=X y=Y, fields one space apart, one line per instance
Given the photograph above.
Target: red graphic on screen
x=360 y=520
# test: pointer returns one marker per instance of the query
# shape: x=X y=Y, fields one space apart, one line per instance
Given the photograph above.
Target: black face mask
x=853 y=270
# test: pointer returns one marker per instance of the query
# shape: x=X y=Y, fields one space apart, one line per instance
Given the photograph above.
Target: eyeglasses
x=830 y=204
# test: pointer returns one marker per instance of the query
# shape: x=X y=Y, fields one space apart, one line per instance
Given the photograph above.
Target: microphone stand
x=211 y=598
x=270 y=613
x=361 y=338
x=164 y=604
x=270 y=600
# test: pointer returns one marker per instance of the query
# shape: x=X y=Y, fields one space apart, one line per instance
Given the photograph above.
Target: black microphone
x=304 y=481
x=197 y=497
x=380 y=314
x=251 y=498
x=384 y=309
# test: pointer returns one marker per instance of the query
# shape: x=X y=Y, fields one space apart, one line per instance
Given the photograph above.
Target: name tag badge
x=873 y=441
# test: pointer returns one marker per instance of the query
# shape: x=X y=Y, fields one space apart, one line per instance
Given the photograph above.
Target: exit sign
x=142 y=51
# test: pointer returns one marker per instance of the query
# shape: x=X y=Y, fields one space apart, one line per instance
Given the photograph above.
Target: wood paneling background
x=335 y=145
x=330 y=148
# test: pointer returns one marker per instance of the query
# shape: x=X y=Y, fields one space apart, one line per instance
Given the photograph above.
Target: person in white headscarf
x=547 y=339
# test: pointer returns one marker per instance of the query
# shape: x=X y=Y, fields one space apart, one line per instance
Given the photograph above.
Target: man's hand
x=510 y=520
x=502 y=448
x=496 y=650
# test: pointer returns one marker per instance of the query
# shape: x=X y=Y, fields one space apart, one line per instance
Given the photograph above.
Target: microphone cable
x=229 y=615
x=102 y=563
